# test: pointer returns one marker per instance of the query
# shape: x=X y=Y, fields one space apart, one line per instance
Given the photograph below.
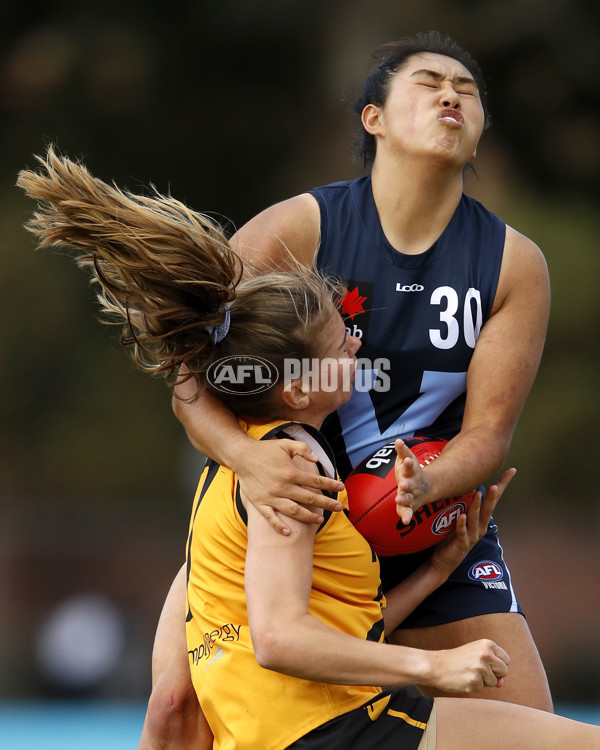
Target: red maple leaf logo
x=352 y=304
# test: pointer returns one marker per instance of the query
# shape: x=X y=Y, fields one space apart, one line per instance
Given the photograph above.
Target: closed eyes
x=461 y=91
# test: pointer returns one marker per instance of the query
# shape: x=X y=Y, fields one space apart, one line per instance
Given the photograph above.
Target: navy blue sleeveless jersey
x=418 y=317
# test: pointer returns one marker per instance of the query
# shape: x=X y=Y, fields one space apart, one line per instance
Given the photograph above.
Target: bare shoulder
x=282 y=235
x=521 y=253
x=524 y=270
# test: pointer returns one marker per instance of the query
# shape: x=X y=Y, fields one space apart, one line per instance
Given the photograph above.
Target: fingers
x=502 y=655
x=405 y=512
x=409 y=480
x=497 y=661
x=499 y=672
x=405 y=475
x=497 y=490
x=494 y=665
x=298 y=448
x=479 y=514
x=460 y=529
x=274 y=519
x=504 y=481
x=402 y=451
x=405 y=468
x=317 y=482
x=406 y=462
x=493 y=495
x=470 y=668
x=291 y=510
x=277 y=480
x=299 y=479
x=298 y=493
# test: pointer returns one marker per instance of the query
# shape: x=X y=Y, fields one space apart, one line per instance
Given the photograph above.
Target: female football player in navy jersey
x=285 y=633
x=453 y=298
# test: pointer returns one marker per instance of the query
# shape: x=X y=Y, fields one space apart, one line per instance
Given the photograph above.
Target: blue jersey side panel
x=418 y=317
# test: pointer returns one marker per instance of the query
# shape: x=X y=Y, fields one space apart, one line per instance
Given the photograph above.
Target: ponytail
x=168 y=276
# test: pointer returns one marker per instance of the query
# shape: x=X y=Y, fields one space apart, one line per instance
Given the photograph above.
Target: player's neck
x=313 y=413
x=415 y=204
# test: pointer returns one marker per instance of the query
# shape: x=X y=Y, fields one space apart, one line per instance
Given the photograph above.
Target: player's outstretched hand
x=412 y=485
x=469 y=668
x=470 y=527
x=278 y=488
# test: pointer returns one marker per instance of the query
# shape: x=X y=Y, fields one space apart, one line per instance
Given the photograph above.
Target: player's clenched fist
x=469 y=668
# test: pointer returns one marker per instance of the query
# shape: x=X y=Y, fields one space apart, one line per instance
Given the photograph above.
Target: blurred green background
x=231 y=106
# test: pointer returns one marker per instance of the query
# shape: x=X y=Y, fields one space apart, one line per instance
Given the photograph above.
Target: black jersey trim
x=213 y=468
x=280 y=433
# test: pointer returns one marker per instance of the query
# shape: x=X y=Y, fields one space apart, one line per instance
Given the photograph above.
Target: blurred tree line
x=231 y=106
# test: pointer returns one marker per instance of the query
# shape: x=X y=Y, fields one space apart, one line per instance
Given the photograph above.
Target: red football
x=371 y=491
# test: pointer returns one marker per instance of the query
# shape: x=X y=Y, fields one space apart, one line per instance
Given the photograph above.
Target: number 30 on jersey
x=448 y=334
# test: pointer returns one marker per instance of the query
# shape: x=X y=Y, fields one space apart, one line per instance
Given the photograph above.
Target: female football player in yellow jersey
x=454 y=299
x=284 y=633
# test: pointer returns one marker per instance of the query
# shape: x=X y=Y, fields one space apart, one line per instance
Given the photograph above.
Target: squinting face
x=433 y=108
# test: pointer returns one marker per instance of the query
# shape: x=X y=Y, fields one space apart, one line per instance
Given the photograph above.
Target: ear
x=372 y=119
x=293 y=396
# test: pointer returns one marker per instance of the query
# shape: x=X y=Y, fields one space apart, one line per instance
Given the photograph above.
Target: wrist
x=430 y=484
x=236 y=451
x=423 y=667
x=438 y=570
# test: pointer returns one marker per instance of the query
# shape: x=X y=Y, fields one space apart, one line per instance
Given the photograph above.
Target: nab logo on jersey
x=356 y=307
x=380 y=462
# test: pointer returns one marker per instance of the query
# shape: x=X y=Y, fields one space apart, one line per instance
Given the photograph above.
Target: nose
x=449 y=98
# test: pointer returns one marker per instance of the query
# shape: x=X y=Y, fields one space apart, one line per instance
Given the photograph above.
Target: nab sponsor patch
x=488 y=573
x=356 y=307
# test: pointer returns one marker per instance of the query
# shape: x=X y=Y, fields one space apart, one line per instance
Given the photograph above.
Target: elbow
x=502 y=448
x=493 y=440
x=169 y=705
x=271 y=648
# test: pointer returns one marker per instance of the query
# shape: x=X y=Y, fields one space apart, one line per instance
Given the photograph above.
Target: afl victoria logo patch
x=489 y=574
x=486 y=570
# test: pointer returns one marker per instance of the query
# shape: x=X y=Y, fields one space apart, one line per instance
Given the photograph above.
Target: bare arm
x=501 y=373
x=174 y=719
x=285 y=235
x=267 y=474
x=288 y=639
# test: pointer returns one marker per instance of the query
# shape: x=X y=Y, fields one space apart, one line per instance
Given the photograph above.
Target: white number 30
x=472 y=317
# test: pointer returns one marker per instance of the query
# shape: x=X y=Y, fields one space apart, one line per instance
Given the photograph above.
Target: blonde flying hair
x=168 y=276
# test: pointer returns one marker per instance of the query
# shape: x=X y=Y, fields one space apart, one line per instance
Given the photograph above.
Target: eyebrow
x=436 y=75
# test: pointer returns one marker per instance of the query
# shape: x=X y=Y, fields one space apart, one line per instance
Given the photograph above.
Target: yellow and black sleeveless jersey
x=248 y=707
